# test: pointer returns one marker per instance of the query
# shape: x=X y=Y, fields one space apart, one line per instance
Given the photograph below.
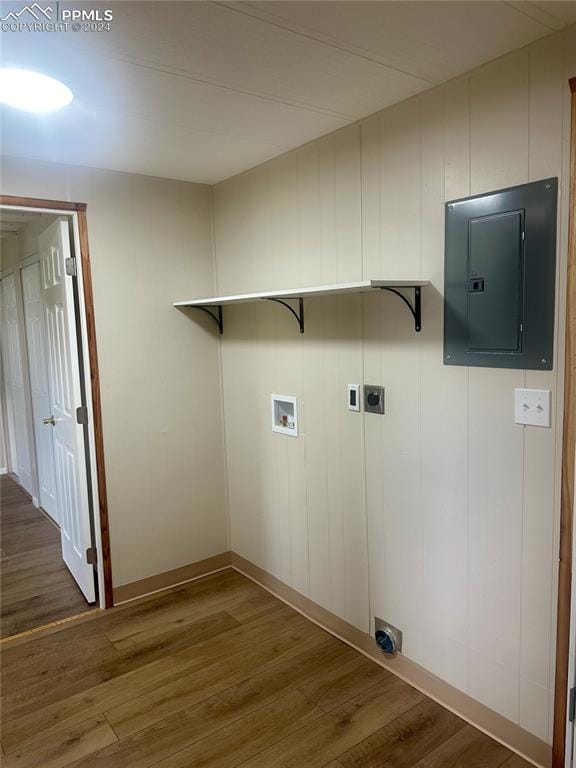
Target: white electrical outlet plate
x=532 y=406
x=353 y=397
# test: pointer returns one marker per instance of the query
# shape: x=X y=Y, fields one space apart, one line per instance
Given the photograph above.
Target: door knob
x=50 y=420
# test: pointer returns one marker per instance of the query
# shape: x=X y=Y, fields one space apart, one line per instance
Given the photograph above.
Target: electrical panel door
x=500 y=278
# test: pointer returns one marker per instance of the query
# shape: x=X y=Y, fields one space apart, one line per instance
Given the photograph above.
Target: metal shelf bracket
x=298 y=315
x=216 y=310
x=218 y=319
x=415 y=309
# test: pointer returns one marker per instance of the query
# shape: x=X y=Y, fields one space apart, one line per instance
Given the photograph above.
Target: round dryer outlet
x=388 y=638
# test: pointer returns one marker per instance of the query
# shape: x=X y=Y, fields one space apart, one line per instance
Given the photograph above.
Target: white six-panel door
x=18 y=443
x=65 y=390
x=41 y=404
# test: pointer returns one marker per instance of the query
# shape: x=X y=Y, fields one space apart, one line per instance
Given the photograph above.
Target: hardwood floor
x=216 y=674
x=35 y=585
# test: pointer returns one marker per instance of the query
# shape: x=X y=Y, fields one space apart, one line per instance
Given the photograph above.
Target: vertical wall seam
x=302 y=382
x=379 y=316
x=520 y=601
x=324 y=422
x=363 y=373
x=523 y=489
x=132 y=227
x=420 y=380
x=277 y=446
x=220 y=343
x=341 y=478
x=326 y=478
x=468 y=426
x=363 y=368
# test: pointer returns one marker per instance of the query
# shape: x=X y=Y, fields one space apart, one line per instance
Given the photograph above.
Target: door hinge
x=71 y=266
x=82 y=415
x=91 y=556
x=572 y=705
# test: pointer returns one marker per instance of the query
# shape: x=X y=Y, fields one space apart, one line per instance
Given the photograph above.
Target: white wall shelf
x=299 y=294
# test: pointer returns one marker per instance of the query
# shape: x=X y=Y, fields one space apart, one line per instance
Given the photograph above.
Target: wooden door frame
x=80 y=210
x=568 y=457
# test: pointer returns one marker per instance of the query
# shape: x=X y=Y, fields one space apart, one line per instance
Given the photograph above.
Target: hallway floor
x=35 y=585
x=218 y=673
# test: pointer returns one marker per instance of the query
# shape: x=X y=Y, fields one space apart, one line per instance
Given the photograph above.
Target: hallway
x=36 y=586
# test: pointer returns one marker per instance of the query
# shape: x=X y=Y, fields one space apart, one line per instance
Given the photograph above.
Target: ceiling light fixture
x=32 y=91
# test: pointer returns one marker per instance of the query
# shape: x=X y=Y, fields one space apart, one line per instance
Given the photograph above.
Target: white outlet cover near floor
x=532 y=406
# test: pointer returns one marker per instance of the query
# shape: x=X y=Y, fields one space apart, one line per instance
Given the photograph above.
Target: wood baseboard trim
x=494 y=725
x=162 y=581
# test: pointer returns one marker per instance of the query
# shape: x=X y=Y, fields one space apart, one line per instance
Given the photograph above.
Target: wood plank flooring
x=217 y=674
x=35 y=585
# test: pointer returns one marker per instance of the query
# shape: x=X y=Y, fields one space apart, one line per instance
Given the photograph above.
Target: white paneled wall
x=441 y=516
x=150 y=241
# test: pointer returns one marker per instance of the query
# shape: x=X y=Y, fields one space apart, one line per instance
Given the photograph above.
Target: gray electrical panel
x=499 y=279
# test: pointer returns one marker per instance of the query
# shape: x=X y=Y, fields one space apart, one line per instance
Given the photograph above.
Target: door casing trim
x=77 y=213
x=559 y=747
